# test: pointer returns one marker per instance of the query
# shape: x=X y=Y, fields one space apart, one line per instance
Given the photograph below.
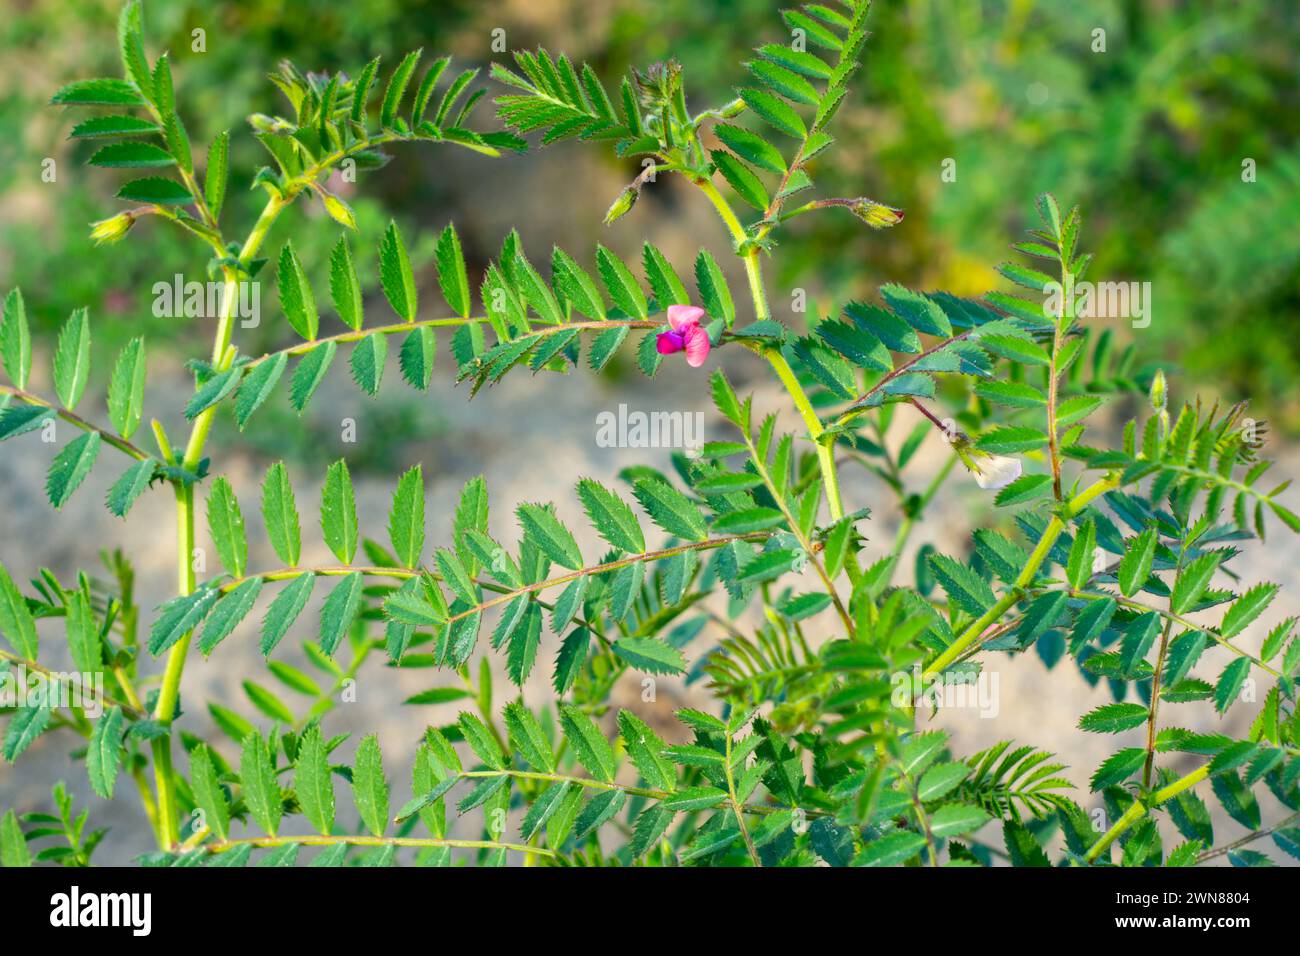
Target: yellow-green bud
x=1159 y=396
x=622 y=205
x=876 y=215
x=112 y=229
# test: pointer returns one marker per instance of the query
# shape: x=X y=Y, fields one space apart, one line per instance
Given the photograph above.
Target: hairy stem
x=1138 y=809
x=1036 y=559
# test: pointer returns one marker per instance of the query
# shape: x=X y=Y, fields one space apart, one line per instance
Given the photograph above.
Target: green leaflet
x=670 y=509
x=213 y=389
x=668 y=288
x=397 y=89
x=1113 y=718
x=1079 y=567
x=535 y=290
x=226 y=526
x=452 y=277
x=548 y=534
x=13 y=845
x=646 y=749
x=345 y=290
x=957 y=818
x=103 y=754
x=892 y=849
x=258 y=385
x=528 y=738
x=651 y=824
x=156 y=190
x=599 y=810
x=367 y=362
x=126 y=389
x=280 y=513
x=524 y=641
x=576 y=286
x=25 y=726
x=649 y=654
x=611 y=516
x=605 y=345
x=622 y=286
x=339 y=611
x=544 y=807
x=624 y=589
x=260 y=789
x=227 y=614
x=284 y=610
x=588 y=742
x=338 y=512
x=425 y=91
x=131 y=155
x=369 y=788
x=750 y=147
x=967 y=589
x=296 y=297
x=310 y=373
x=1135 y=566
x=361 y=90
x=1246 y=608
x=131 y=47
x=456 y=576
x=16 y=621
x=83 y=634
x=284 y=856
x=395 y=274
x=481 y=741
x=416 y=357
x=1192 y=582
x=714 y=293
x=16 y=339
x=312 y=782
x=217 y=172
x=1230 y=683
x=569 y=603
x=179 y=616
x=739 y=177
x=406 y=520
x=72 y=359
x=19 y=419
x=1117 y=768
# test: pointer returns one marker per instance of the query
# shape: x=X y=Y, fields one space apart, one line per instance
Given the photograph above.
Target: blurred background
x=1142 y=111
x=1175 y=125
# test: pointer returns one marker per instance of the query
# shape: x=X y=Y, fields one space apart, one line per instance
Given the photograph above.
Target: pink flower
x=686 y=333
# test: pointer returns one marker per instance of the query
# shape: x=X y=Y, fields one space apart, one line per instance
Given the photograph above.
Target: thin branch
x=121 y=444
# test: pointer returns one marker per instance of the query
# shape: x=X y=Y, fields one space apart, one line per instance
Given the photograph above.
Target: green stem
x=1036 y=559
x=1138 y=809
x=169 y=693
x=736 y=808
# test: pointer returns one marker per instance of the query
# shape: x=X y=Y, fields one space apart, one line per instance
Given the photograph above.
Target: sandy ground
x=532 y=439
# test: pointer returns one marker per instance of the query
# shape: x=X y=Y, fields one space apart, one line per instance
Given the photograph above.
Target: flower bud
x=1159 y=391
x=339 y=211
x=876 y=215
x=112 y=229
x=622 y=205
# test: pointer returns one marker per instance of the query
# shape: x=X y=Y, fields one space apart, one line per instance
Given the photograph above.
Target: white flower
x=994 y=471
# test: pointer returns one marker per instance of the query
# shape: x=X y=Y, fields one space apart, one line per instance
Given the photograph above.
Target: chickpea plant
x=815 y=751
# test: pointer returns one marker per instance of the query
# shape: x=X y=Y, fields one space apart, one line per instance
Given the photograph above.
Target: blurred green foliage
x=1149 y=134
